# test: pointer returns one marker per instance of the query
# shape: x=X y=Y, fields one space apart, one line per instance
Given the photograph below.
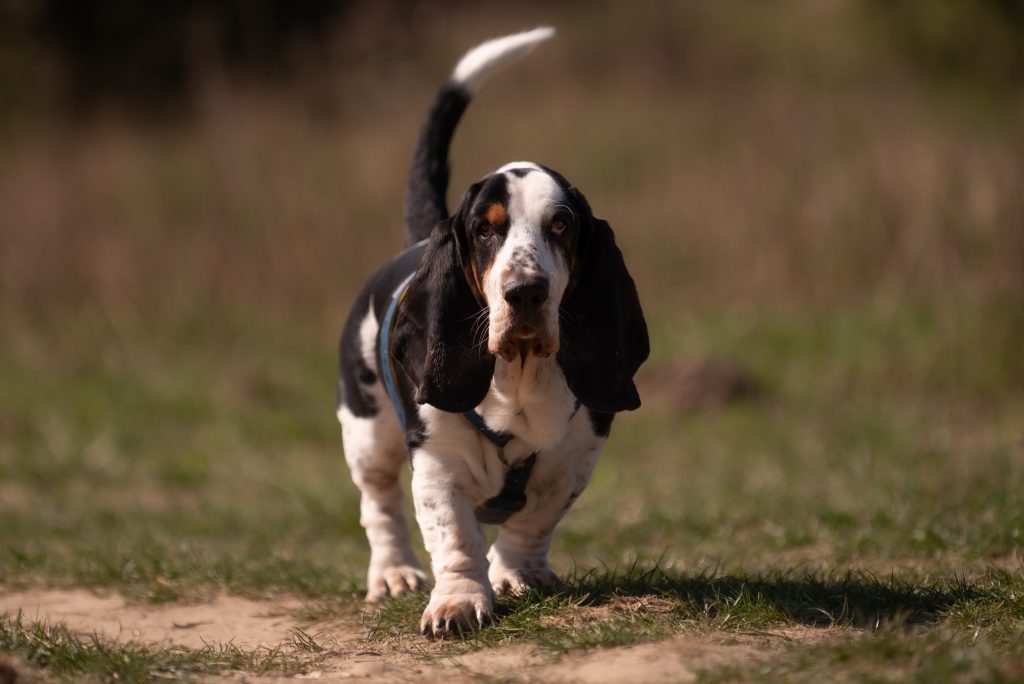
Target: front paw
x=514 y=581
x=394 y=581
x=457 y=608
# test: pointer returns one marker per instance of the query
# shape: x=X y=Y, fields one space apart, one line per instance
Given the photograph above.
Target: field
x=824 y=482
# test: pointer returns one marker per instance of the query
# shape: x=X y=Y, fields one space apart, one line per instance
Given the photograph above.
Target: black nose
x=527 y=296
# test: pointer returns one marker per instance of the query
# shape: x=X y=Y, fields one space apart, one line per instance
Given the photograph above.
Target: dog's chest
x=531 y=401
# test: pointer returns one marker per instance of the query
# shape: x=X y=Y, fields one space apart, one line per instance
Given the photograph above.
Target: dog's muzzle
x=526 y=300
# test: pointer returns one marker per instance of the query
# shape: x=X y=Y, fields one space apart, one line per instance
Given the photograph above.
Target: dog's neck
x=529 y=399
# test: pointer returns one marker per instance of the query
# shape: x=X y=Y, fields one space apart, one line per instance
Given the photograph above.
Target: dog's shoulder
x=358 y=366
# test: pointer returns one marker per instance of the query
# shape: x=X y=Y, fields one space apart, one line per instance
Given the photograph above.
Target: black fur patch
x=428 y=174
x=354 y=377
x=484 y=239
x=602 y=331
x=415 y=434
x=435 y=342
x=601 y=423
x=364 y=374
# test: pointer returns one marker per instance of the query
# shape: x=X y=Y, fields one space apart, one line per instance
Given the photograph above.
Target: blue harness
x=512 y=497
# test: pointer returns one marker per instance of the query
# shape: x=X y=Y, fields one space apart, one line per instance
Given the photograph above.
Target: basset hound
x=493 y=353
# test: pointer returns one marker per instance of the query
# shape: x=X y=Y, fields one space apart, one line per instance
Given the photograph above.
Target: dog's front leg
x=462 y=599
x=519 y=556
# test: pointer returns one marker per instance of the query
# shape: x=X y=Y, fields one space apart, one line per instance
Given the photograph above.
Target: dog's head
x=522 y=268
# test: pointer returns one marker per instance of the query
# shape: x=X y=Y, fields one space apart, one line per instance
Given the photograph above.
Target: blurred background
x=182 y=167
x=820 y=200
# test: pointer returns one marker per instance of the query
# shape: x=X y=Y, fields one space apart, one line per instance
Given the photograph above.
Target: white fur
x=530 y=400
x=519 y=165
x=483 y=60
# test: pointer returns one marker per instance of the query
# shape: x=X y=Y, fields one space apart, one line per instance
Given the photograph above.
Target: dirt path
x=227 y=618
x=252 y=623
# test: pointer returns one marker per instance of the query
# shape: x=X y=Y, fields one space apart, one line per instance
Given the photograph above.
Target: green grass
x=891 y=654
x=905 y=626
x=644 y=602
x=864 y=489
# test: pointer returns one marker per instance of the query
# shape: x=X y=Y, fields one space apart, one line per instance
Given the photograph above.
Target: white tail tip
x=483 y=60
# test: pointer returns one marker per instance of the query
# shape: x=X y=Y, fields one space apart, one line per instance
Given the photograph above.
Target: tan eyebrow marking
x=476 y=281
x=496 y=214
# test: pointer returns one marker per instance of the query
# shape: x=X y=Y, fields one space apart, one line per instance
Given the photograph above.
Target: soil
x=351 y=656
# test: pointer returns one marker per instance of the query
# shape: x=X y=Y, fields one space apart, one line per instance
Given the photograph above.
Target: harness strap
x=512 y=497
x=498 y=439
x=387 y=364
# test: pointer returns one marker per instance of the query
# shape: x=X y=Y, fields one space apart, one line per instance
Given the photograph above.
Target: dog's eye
x=485 y=230
x=558 y=226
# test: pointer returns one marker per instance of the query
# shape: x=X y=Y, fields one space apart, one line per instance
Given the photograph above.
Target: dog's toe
x=512 y=582
x=394 y=582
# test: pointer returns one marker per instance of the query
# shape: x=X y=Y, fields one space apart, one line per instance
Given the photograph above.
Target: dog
x=493 y=353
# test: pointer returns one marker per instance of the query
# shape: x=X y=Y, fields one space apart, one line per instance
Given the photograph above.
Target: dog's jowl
x=492 y=353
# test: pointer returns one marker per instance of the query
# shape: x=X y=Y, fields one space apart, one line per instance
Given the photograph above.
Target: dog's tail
x=428 y=176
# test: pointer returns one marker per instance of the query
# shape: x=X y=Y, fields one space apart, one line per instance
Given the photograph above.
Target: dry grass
x=735 y=179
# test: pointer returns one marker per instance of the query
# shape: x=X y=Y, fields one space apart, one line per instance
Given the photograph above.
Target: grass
x=644 y=602
x=873 y=499
x=963 y=627
x=886 y=655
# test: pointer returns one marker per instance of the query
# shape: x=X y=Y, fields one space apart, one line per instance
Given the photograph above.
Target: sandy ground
x=253 y=623
x=246 y=623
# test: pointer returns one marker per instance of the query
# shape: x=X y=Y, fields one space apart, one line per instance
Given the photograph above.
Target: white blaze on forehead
x=532 y=198
x=519 y=165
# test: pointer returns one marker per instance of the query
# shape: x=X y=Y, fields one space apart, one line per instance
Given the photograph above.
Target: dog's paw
x=394 y=581
x=457 y=612
x=514 y=581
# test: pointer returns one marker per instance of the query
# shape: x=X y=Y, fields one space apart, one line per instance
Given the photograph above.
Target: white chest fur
x=530 y=400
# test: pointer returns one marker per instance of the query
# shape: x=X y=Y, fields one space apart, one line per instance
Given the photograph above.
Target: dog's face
x=522 y=230
x=522 y=268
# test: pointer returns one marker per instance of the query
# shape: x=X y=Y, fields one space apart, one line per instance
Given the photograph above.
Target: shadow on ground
x=857 y=599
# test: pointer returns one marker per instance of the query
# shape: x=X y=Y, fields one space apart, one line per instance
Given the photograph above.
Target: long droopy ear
x=603 y=332
x=438 y=340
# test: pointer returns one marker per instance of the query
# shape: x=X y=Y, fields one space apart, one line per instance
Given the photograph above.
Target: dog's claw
x=456 y=615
